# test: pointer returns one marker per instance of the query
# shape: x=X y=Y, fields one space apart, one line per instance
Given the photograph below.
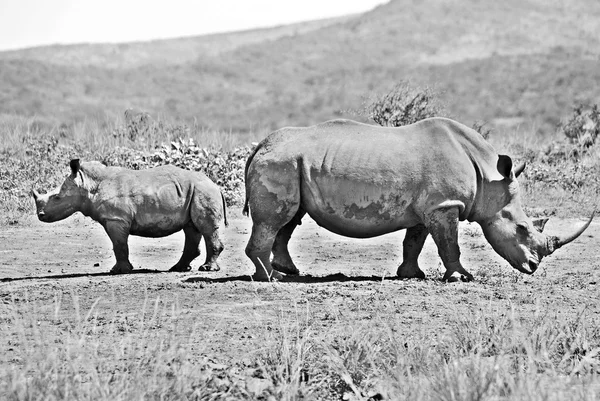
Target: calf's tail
x=224 y=209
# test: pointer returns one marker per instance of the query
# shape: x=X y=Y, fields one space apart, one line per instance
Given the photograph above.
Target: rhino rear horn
x=558 y=241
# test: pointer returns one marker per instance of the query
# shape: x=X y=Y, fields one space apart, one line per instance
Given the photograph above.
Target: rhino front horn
x=556 y=242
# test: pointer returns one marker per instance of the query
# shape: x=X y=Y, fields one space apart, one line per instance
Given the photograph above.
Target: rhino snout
x=41 y=215
x=533 y=265
x=528 y=267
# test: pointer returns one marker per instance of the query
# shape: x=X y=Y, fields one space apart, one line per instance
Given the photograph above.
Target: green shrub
x=44 y=165
x=226 y=169
x=404 y=105
x=480 y=126
x=583 y=127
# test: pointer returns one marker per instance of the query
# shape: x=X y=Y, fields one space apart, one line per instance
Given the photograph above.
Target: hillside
x=526 y=61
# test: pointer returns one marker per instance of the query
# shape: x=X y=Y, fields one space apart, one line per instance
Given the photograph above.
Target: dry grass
x=64 y=346
x=94 y=353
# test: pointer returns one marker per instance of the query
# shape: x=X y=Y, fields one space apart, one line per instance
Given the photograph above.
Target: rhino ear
x=504 y=165
x=540 y=223
x=74 y=166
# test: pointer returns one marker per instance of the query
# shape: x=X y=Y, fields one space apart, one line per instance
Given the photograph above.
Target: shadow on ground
x=76 y=275
x=304 y=279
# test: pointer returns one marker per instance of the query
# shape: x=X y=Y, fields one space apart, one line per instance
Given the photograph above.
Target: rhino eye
x=522 y=227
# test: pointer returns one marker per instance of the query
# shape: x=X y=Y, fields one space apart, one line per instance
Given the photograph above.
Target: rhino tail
x=224 y=209
x=246 y=209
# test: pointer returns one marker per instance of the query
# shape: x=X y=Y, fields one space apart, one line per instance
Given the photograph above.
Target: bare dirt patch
x=223 y=315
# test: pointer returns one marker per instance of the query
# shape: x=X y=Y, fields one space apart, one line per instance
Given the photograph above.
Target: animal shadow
x=76 y=275
x=302 y=279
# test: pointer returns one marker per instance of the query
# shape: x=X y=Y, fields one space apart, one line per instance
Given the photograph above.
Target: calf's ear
x=74 y=166
x=504 y=165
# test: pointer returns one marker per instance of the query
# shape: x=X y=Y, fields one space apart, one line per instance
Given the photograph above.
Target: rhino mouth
x=42 y=216
x=533 y=265
x=528 y=268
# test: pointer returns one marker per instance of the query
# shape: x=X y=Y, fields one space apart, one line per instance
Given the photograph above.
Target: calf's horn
x=35 y=194
x=555 y=242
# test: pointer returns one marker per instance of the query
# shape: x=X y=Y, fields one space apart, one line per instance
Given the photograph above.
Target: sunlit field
x=414 y=340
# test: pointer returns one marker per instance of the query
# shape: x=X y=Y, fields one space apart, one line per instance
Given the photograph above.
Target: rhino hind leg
x=282 y=261
x=411 y=248
x=443 y=226
x=259 y=251
x=190 y=249
x=214 y=247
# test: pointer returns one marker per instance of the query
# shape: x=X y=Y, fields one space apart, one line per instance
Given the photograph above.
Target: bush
x=583 y=127
x=226 y=169
x=404 y=105
x=44 y=165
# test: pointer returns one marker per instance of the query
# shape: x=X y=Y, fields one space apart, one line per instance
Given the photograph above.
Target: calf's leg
x=190 y=249
x=118 y=232
x=214 y=247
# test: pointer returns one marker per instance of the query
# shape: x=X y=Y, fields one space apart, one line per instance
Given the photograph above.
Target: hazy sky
x=26 y=23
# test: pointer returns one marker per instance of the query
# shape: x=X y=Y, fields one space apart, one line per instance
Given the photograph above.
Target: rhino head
x=62 y=202
x=512 y=234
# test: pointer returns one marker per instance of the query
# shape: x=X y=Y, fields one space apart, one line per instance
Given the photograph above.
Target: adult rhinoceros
x=154 y=202
x=362 y=181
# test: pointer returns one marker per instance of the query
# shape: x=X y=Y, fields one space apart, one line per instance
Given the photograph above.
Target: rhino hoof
x=456 y=277
x=209 y=268
x=121 y=268
x=179 y=268
x=289 y=270
x=275 y=276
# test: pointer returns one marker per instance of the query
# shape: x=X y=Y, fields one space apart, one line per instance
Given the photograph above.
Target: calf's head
x=63 y=201
x=512 y=234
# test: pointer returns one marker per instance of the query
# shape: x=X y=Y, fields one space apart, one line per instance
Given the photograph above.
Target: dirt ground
x=342 y=279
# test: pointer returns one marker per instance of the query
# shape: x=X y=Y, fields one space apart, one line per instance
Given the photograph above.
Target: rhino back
x=350 y=170
x=155 y=201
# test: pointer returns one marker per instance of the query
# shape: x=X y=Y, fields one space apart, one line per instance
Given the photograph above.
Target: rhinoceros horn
x=35 y=194
x=555 y=242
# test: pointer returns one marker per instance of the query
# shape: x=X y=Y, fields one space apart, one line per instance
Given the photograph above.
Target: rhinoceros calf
x=148 y=203
x=361 y=181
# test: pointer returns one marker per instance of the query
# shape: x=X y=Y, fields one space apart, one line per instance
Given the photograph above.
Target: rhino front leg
x=190 y=249
x=118 y=232
x=443 y=226
x=411 y=248
x=282 y=261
